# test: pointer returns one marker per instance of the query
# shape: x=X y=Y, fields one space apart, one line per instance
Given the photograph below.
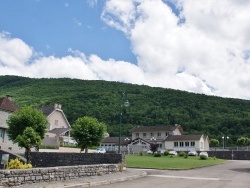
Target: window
x=166 y=133
x=151 y=134
x=136 y=135
x=175 y=144
x=56 y=122
x=1 y=133
x=158 y=134
x=186 y=144
x=181 y=144
x=144 y=134
x=192 y=144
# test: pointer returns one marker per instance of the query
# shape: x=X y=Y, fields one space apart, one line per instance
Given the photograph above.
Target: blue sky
x=198 y=46
x=53 y=28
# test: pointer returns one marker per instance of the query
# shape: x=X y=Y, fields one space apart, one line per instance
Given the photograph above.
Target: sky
x=199 y=46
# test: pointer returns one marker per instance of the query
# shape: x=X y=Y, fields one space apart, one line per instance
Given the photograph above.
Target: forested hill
x=214 y=116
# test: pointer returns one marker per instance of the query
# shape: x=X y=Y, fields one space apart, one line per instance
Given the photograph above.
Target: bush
x=140 y=154
x=182 y=154
x=17 y=164
x=166 y=153
x=157 y=155
x=203 y=157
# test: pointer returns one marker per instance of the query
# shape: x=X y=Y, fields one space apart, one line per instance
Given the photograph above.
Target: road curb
x=106 y=182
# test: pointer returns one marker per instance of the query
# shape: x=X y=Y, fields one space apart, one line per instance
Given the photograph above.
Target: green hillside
x=214 y=116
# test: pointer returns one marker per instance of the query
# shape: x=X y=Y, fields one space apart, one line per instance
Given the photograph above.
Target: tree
x=214 y=142
x=27 y=128
x=28 y=139
x=153 y=147
x=88 y=132
x=243 y=141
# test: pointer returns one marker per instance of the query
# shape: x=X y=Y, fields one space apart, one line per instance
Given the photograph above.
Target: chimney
x=9 y=97
x=55 y=106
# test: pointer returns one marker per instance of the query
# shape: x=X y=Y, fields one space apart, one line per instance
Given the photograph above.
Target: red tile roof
x=7 y=104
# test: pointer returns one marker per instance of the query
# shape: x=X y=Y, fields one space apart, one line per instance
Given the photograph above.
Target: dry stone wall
x=36 y=175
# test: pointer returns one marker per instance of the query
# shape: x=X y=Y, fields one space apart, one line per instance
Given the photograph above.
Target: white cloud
x=207 y=53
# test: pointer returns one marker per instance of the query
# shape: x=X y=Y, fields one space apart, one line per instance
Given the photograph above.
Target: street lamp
x=224 y=142
x=123 y=104
x=127 y=142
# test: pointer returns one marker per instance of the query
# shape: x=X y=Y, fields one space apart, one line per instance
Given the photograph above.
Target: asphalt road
x=234 y=174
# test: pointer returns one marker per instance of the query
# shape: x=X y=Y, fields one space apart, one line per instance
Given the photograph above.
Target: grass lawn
x=167 y=162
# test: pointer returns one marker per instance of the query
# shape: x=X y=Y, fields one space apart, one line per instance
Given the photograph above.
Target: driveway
x=233 y=174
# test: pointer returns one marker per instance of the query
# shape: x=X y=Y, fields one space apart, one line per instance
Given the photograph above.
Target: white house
x=167 y=138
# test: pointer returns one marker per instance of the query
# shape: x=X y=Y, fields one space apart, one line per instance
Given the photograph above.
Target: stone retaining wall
x=37 y=175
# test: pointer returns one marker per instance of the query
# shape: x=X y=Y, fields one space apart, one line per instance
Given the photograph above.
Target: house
x=7 y=107
x=112 y=143
x=167 y=138
x=187 y=142
x=58 y=129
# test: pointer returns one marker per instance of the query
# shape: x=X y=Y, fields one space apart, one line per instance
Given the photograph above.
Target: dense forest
x=197 y=113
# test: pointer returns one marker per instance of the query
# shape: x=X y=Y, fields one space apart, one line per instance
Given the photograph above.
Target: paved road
x=234 y=174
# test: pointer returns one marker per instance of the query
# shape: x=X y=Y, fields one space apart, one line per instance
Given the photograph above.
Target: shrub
x=203 y=157
x=157 y=155
x=17 y=164
x=182 y=154
x=166 y=153
x=140 y=154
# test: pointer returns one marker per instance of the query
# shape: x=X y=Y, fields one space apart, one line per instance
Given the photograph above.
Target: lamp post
x=127 y=141
x=224 y=141
x=123 y=104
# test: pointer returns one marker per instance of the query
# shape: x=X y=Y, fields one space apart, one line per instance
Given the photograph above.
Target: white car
x=204 y=153
x=192 y=153
x=173 y=153
x=100 y=150
x=149 y=152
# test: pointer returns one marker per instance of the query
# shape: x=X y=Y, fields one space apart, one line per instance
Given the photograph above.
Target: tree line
x=149 y=106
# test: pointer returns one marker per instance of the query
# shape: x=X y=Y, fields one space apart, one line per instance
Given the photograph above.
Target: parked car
x=100 y=150
x=149 y=152
x=204 y=153
x=173 y=153
x=192 y=153
x=161 y=151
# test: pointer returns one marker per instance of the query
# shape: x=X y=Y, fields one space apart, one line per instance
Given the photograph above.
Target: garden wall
x=52 y=159
x=230 y=155
x=37 y=175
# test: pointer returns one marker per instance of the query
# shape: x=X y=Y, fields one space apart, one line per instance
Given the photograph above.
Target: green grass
x=167 y=162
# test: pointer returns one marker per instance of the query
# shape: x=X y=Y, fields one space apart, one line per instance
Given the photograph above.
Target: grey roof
x=183 y=137
x=156 y=128
x=47 y=110
x=115 y=140
x=59 y=131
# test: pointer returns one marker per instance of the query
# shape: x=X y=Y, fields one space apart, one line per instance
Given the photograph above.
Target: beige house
x=7 y=107
x=58 y=129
